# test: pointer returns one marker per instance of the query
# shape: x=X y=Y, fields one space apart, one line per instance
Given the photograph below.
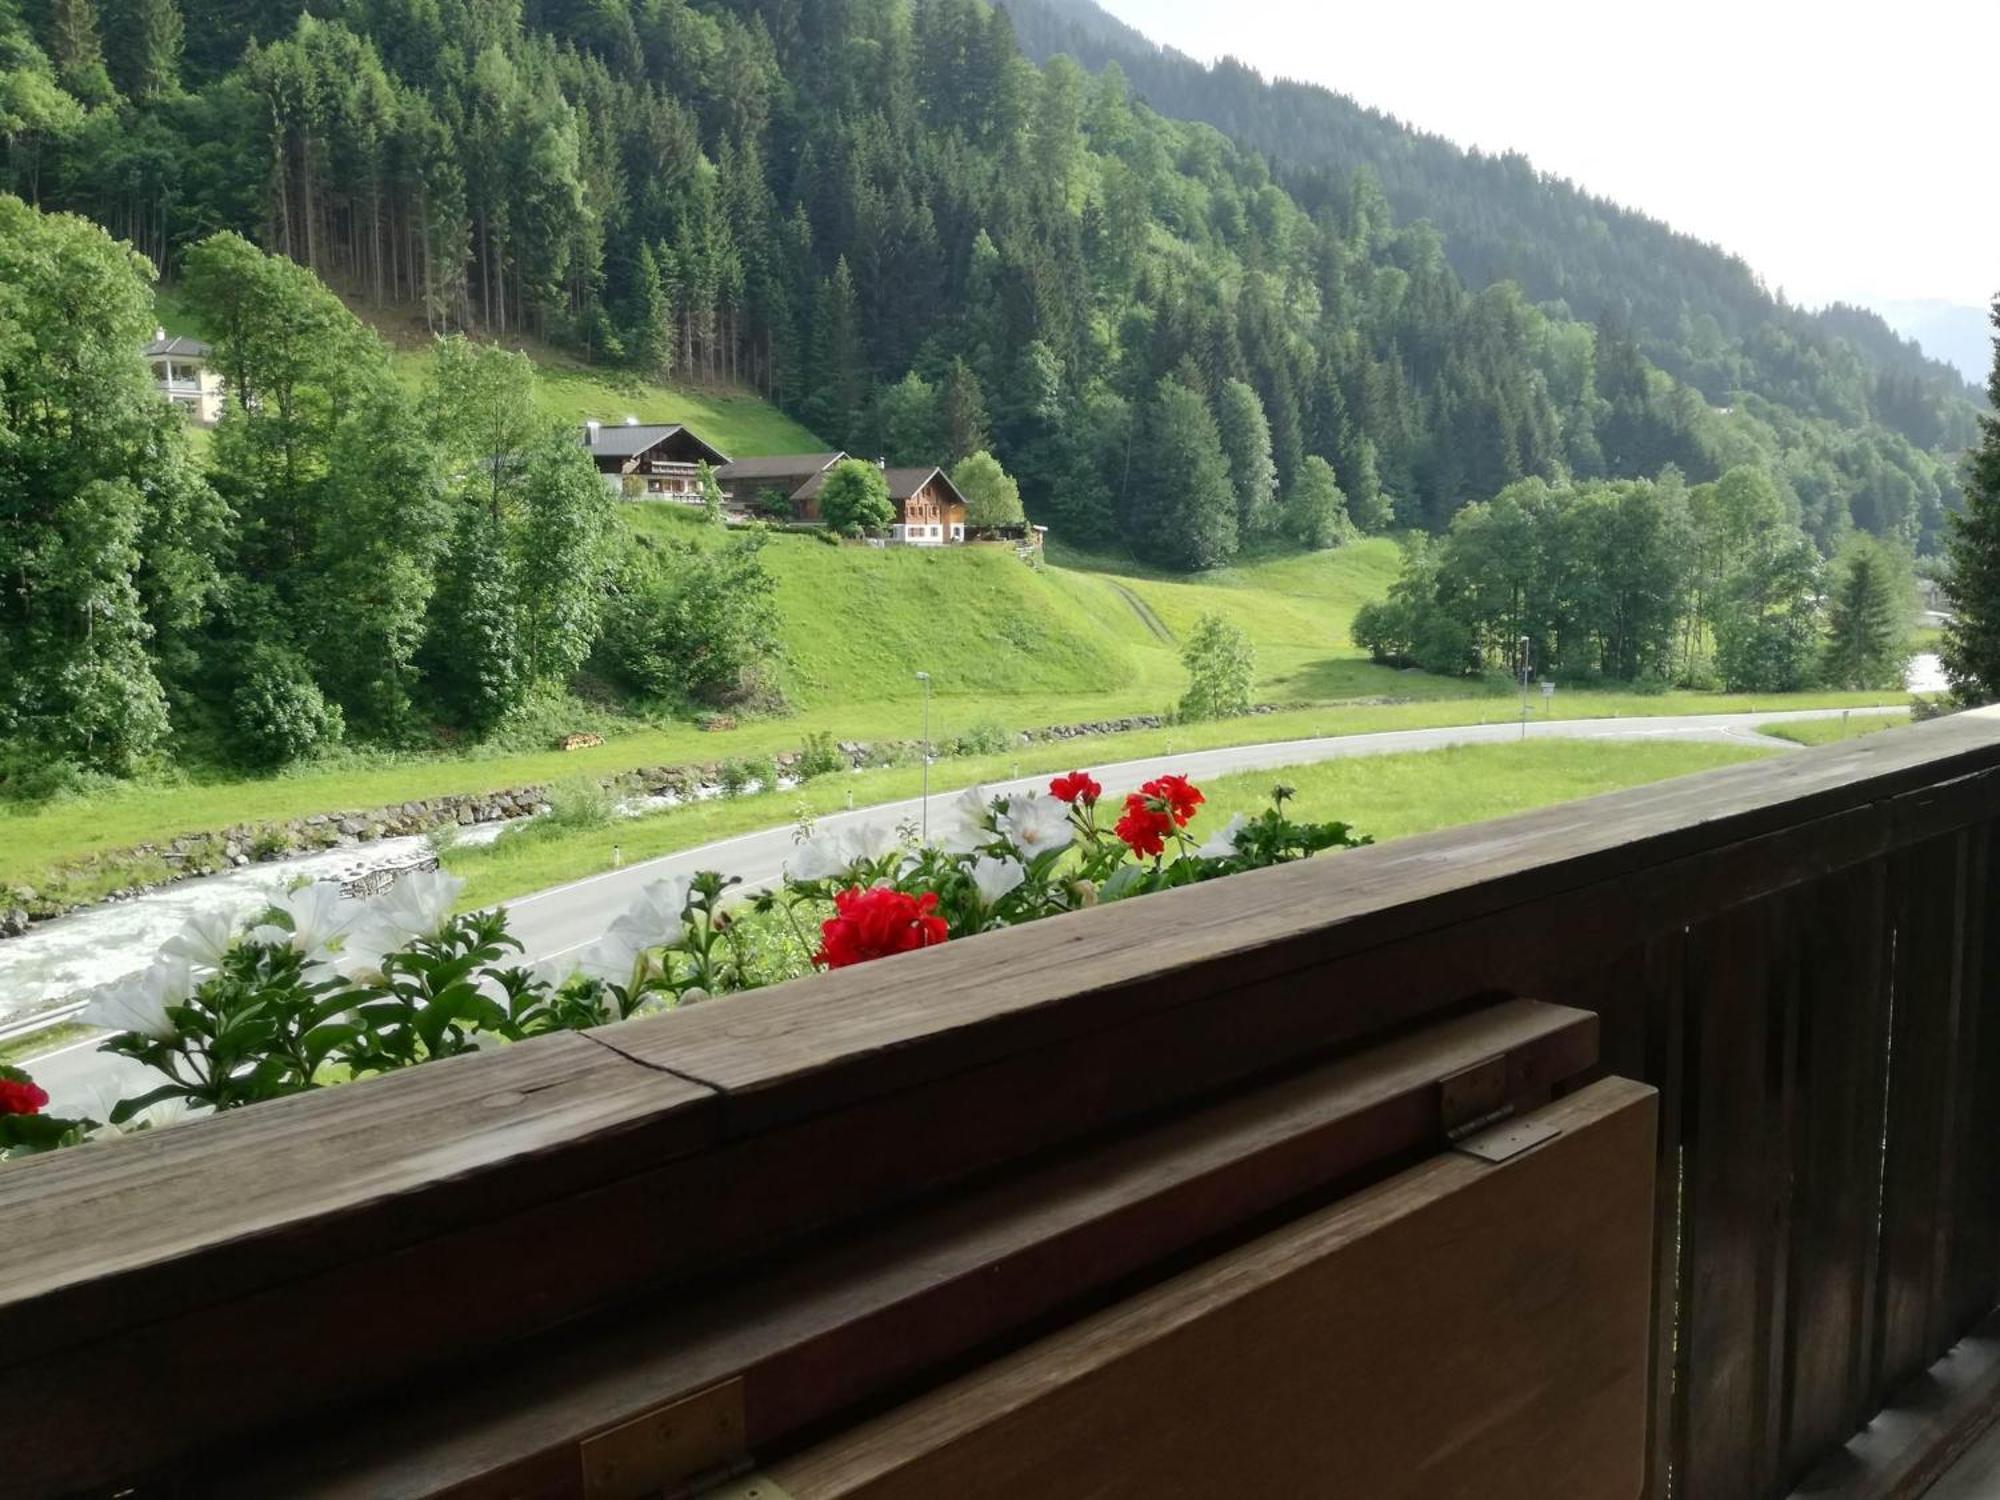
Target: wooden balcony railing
x=727 y=1234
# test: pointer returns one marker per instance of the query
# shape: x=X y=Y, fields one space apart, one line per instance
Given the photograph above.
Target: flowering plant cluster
x=318 y=989
x=1024 y=856
x=321 y=989
x=24 y=1127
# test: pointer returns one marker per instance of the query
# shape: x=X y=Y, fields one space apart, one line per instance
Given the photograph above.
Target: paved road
x=566 y=917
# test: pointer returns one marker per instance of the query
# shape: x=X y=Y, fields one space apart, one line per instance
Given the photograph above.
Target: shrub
x=733 y=776
x=577 y=803
x=855 y=497
x=820 y=756
x=694 y=623
x=987 y=737
x=1221 y=666
x=278 y=713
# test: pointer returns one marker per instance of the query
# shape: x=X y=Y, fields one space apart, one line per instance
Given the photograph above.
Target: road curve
x=563 y=918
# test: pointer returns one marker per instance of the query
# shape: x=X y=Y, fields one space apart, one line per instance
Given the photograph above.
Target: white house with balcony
x=180 y=370
x=650 y=460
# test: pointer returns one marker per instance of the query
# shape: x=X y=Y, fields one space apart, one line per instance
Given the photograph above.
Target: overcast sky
x=1845 y=150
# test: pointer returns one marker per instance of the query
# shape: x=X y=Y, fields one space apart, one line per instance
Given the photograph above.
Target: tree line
x=1648 y=581
x=883 y=216
x=354 y=559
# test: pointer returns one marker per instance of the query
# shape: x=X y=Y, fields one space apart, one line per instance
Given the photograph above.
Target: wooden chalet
x=1641 y=1146
x=930 y=512
x=650 y=460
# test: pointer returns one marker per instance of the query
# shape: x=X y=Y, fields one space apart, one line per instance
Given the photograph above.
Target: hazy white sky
x=1845 y=150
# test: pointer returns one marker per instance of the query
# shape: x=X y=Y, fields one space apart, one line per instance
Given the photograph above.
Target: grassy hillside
x=740 y=424
x=860 y=623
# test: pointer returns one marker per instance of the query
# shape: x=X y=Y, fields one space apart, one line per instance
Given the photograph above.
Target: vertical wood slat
x=1735 y=1200
x=1920 y=1167
x=1836 y=1172
x=1638 y=998
x=1975 y=1266
x=1665 y=1066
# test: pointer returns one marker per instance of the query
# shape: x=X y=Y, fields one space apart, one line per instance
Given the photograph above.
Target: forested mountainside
x=1699 y=312
x=883 y=215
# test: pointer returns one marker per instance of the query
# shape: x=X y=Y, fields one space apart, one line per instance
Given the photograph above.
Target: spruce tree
x=144 y=47
x=650 y=331
x=75 y=44
x=1315 y=510
x=1182 y=505
x=835 y=360
x=1246 y=444
x=1972 y=638
x=964 y=412
x=1868 y=618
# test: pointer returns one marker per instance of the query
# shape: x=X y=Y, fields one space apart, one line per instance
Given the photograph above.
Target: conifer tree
x=78 y=49
x=835 y=370
x=1183 y=507
x=1315 y=510
x=964 y=412
x=144 y=50
x=1972 y=638
x=1868 y=617
x=1246 y=444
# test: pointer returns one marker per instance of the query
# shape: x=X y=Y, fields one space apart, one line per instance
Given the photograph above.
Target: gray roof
x=179 y=344
x=781 y=466
x=619 y=440
x=905 y=483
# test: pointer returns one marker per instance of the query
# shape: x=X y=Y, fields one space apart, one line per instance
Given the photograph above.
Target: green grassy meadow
x=1832 y=731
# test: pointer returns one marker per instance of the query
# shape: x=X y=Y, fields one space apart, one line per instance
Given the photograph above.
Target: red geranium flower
x=875 y=922
x=18 y=1098
x=1144 y=827
x=1078 y=786
x=1175 y=795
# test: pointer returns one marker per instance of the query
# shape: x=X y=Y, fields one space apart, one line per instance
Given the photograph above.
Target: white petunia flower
x=869 y=843
x=822 y=857
x=139 y=1002
x=418 y=905
x=656 y=918
x=612 y=959
x=994 y=878
x=1035 y=823
x=972 y=825
x=1222 y=843
x=318 y=917
x=204 y=942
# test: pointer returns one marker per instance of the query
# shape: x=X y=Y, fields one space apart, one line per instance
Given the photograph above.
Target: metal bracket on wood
x=1506 y=1141
x=696 y=1436
x=749 y=1487
x=1474 y=1097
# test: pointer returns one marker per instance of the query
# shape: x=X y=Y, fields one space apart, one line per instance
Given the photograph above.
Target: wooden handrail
x=316 y=1248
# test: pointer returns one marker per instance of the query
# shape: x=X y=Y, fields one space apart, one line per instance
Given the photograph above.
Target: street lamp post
x=1527 y=671
x=925 y=679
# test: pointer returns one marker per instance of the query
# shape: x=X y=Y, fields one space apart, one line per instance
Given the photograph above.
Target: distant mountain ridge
x=1501 y=218
x=1958 y=334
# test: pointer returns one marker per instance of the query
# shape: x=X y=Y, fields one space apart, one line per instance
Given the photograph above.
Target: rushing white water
x=1926 y=674
x=57 y=959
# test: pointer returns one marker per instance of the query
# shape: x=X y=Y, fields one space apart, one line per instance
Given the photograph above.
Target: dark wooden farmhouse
x=930 y=512
x=759 y=485
x=650 y=460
